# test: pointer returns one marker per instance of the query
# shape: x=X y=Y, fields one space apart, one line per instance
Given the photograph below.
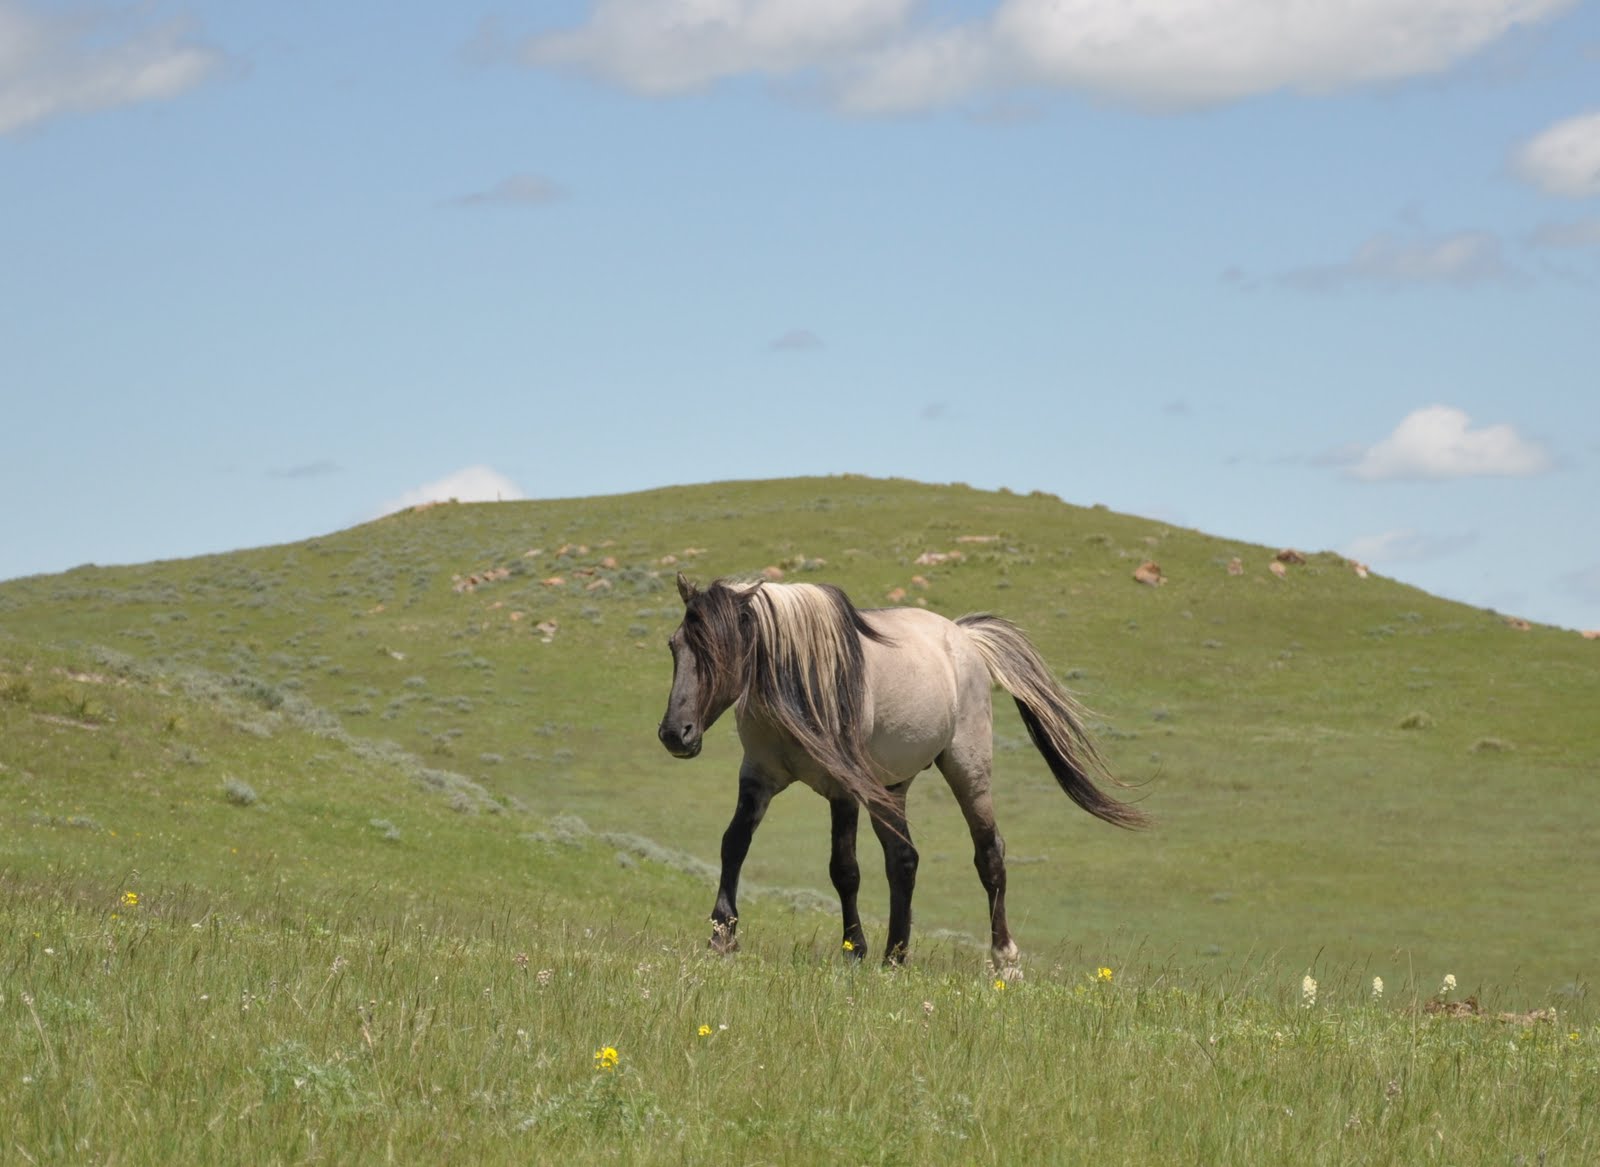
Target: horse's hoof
x=723 y=945
x=1011 y=974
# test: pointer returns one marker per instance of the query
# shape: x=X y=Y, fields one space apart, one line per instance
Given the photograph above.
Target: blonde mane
x=801 y=626
x=802 y=669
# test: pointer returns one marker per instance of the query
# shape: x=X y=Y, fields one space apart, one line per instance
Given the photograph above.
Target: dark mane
x=711 y=632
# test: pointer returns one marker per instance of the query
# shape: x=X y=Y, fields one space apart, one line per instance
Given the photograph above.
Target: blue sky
x=1313 y=274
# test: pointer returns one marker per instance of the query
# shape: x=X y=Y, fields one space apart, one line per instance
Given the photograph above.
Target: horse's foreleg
x=846 y=872
x=900 y=864
x=754 y=796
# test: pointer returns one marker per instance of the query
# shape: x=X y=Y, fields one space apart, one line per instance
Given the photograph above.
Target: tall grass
x=167 y=1031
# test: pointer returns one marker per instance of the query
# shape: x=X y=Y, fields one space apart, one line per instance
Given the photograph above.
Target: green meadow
x=362 y=849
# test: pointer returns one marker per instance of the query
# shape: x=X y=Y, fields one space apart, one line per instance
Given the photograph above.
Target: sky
x=1309 y=273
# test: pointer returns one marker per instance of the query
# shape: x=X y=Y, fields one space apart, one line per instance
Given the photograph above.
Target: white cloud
x=1199 y=52
x=54 y=62
x=1439 y=442
x=1167 y=53
x=670 y=46
x=921 y=72
x=1565 y=159
x=474 y=484
x=1462 y=258
x=1405 y=546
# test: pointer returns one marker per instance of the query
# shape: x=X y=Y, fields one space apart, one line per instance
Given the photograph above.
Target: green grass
x=171 y=1031
x=349 y=793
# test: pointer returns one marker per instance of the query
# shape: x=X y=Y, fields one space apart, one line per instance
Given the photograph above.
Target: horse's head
x=709 y=651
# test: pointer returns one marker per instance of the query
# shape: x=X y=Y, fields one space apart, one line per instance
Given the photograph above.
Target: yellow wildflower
x=1103 y=975
x=704 y=1031
x=999 y=985
x=130 y=899
x=849 y=946
x=606 y=1058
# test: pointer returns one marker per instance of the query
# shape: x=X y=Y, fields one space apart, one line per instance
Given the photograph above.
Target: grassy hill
x=426 y=745
x=1338 y=765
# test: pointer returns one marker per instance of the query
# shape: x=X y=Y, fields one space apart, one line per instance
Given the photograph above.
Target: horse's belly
x=914 y=712
x=902 y=759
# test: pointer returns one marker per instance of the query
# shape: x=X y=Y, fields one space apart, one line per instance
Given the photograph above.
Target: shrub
x=239 y=793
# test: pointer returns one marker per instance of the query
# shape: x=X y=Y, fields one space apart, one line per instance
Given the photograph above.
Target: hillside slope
x=1337 y=764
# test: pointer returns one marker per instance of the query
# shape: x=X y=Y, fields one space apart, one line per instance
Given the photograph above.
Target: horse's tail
x=1053 y=718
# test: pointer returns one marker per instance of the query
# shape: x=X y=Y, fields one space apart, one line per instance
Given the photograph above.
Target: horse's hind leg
x=969 y=781
x=846 y=872
x=755 y=794
x=900 y=864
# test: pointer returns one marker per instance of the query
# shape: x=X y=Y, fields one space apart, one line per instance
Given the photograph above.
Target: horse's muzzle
x=683 y=743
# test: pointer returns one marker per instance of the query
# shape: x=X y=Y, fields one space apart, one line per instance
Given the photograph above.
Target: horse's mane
x=797 y=649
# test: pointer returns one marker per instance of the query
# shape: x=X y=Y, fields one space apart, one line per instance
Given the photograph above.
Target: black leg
x=989 y=856
x=846 y=872
x=900 y=864
x=754 y=796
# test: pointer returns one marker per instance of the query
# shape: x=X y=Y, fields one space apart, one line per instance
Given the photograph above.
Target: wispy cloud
x=674 y=46
x=1575 y=235
x=473 y=484
x=1235 y=277
x=796 y=340
x=1439 y=442
x=1564 y=160
x=55 y=62
x=1584 y=584
x=1406 y=546
x=520 y=190
x=318 y=469
x=1460 y=259
x=875 y=56
x=1343 y=456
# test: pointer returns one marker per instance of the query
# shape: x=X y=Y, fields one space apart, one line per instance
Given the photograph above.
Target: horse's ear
x=685 y=589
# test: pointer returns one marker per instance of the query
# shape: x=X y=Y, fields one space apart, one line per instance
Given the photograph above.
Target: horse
x=855 y=703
